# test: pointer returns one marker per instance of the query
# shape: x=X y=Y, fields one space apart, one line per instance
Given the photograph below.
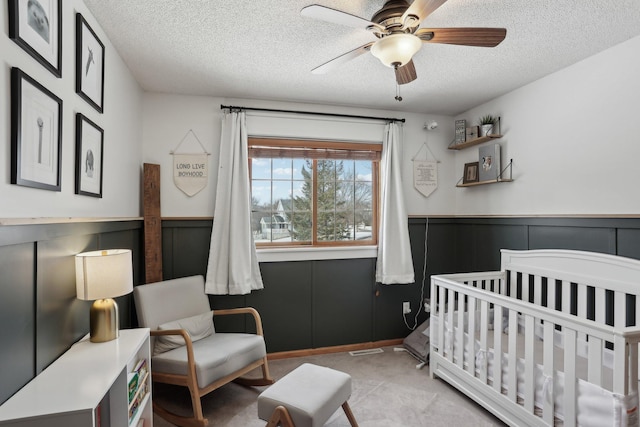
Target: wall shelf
x=493 y=181
x=473 y=142
x=500 y=178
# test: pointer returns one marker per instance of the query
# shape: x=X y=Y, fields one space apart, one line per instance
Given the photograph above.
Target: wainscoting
x=39 y=312
x=305 y=304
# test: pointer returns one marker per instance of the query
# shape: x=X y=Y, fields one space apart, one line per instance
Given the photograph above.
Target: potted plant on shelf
x=486 y=125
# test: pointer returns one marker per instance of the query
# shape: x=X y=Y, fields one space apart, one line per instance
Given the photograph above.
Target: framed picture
x=36 y=134
x=89 y=64
x=489 y=162
x=36 y=26
x=470 y=173
x=89 y=155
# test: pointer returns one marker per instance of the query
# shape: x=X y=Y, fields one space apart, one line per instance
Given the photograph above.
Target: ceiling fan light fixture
x=396 y=50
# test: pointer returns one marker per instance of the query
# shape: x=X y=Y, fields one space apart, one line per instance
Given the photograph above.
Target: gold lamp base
x=103 y=320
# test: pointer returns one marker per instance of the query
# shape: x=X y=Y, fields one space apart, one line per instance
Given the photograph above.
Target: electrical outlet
x=406 y=307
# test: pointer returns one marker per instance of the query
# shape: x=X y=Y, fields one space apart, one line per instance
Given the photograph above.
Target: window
x=313 y=192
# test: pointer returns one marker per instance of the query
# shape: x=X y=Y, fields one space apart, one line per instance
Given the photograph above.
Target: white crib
x=564 y=325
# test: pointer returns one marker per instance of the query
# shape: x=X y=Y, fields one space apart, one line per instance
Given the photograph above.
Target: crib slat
x=548 y=349
x=633 y=368
x=441 y=312
x=459 y=349
x=569 y=377
x=601 y=312
x=594 y=361
x=537 y=290
x=529 y=379
x=620 y=365
x=512 y=368
x=527 y=290
x=619 y=313
x=484 y=329
x=551 y=294
x=450 y=310
x=471 y=341
x=582 y=309
x=513 y=284
x=497 y=348
x=566 y=296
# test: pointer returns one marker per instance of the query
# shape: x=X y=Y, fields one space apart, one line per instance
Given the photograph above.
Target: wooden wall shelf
x=493 y=181
x=473 y=142
x=500 y=178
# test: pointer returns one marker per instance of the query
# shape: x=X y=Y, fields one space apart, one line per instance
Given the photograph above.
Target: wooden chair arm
x=191 y=360
x=243 y=310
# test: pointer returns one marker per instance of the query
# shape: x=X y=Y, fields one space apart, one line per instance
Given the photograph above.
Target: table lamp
x=101 y=276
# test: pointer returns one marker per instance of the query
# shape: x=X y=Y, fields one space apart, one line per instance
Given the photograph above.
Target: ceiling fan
x=399 y=38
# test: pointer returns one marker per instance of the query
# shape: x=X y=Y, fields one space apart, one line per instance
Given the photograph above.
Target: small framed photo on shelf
x=470 y=173
x=461 y=133
x=89 y=155
x=36 y=26
x=36 y=134
x=489 y=162
x=89 y=64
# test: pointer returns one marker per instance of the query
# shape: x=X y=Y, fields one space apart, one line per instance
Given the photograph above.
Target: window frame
x=316 y=150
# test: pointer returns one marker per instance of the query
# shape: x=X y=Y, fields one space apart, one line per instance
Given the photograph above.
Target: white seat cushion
x=216 y=356
x=310 y=393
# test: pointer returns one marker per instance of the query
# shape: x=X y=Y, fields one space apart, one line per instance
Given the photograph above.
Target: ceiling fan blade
x=406 y=73
x=340 y=60
x=338 y=17
x=482 y=37
x=422 y=9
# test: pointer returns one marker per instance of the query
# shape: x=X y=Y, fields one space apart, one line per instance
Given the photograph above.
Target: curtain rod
x=229 y=107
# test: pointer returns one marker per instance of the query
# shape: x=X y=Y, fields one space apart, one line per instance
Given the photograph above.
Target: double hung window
x=317 y=193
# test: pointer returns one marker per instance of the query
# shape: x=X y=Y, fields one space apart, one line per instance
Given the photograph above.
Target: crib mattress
x=595 y=405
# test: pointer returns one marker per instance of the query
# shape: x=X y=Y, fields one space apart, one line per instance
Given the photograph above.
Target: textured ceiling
x=266 y=50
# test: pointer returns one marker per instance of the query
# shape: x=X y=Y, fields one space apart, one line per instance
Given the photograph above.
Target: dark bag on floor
x=417 y=342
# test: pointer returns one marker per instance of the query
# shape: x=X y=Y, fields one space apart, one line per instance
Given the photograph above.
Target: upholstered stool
x=306 y=397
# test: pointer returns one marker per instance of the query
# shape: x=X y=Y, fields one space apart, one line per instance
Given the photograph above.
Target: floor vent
x=366 y=352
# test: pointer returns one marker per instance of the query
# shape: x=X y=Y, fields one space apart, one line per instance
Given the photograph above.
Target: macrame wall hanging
x=190 y=170
x=425 y=172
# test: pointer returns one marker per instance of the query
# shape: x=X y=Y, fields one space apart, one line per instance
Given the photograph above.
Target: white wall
x=168 y=118
x=574 y=140
x=121 y=122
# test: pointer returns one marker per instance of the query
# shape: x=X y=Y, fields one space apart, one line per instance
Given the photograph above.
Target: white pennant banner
x=190 y=172
x=425 y=176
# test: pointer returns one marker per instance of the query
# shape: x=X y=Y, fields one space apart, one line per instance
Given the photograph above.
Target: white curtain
x=233 y=265
x=394 y=264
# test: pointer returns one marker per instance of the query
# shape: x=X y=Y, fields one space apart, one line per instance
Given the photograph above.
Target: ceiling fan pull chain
x=398 y=97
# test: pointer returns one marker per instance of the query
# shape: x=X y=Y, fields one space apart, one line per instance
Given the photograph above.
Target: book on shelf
x=141 y=368
x=138 y=386
x=132 y=379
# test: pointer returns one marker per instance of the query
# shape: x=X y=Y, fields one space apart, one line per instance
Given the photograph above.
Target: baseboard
x=333 y=349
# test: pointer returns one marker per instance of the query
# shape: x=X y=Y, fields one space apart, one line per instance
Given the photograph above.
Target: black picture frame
x=89 y=64
x=89 y=157
x=36 y=26
x=36 y=134
x=470 y=172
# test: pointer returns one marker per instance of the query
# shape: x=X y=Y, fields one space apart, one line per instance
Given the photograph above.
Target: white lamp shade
x=104 y=274
x=396 y=49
